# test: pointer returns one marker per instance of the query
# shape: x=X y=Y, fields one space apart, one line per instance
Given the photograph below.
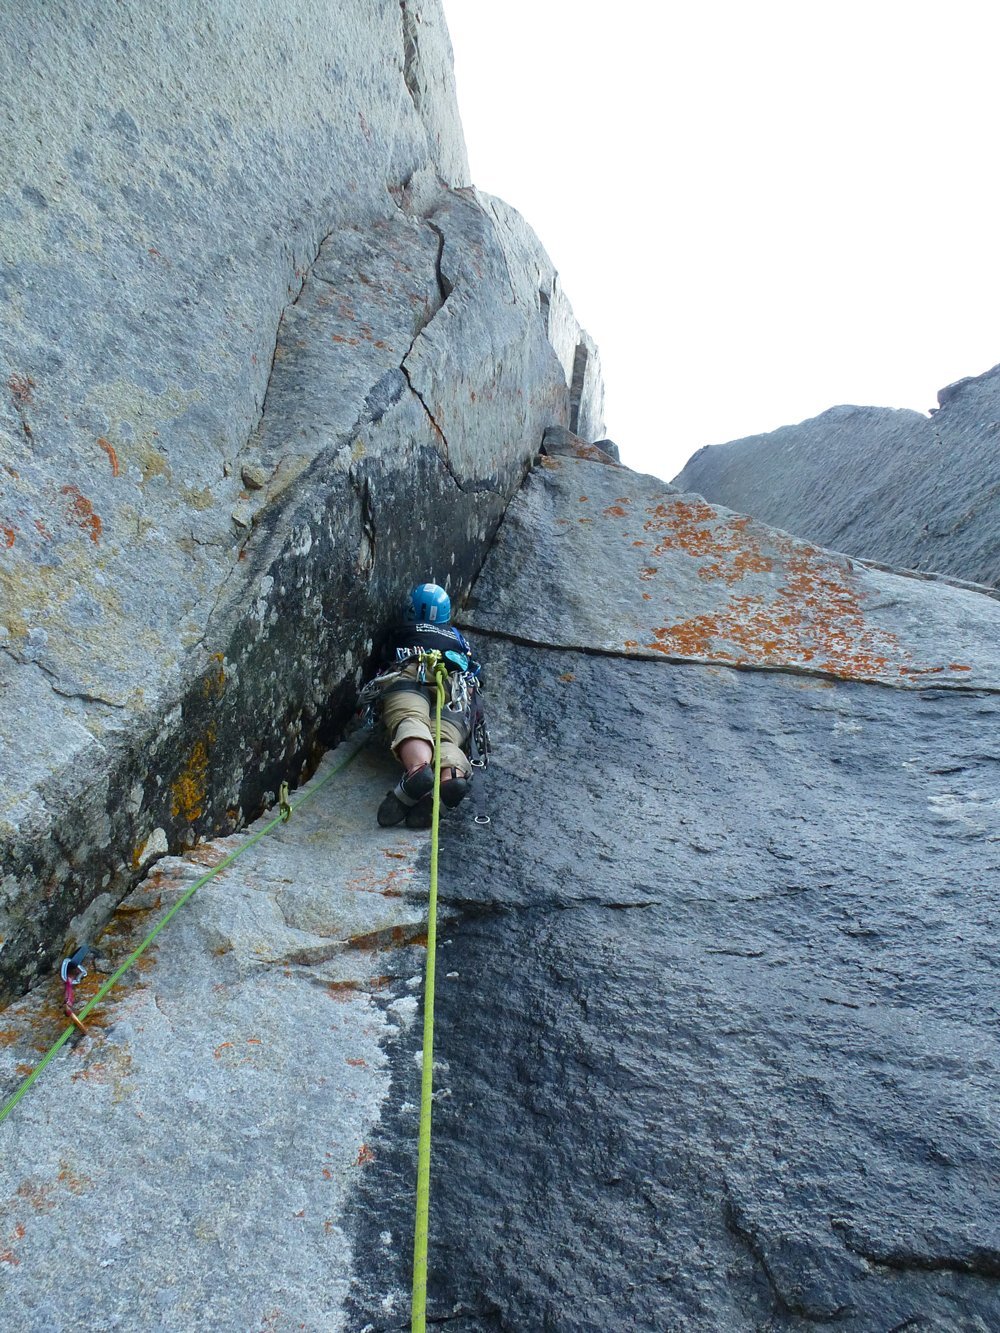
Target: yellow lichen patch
x=188 y=789
x=214 y=684
x=151 y=462
x=203 y=499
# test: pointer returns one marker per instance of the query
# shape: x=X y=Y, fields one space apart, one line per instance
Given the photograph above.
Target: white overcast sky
x=758 y=209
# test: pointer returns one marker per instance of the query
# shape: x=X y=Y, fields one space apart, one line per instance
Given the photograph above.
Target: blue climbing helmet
x=428 y=604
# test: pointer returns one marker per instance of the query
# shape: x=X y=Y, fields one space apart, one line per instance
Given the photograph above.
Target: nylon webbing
x=187 y=894
x=418 y=1322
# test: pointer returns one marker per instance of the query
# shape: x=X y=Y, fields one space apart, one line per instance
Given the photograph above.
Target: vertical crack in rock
x=411 y=54
x=580 y=361
x=366 y=514
x=545 y=306
x=444 y=286
x=289 y=305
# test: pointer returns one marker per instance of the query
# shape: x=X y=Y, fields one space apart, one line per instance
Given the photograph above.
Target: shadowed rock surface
x=721 y=1049
x=264 y=355
x=890 y=485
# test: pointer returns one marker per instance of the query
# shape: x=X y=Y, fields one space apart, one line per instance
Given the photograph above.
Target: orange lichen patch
x=585 y=520
x=956 y=666
x=20 y=387
x=631 y=644
x=615 y=511
x=207 y=853
x=9 y=1257
x=638 y=543
x=365 y=1155
x=109 y=449
x=81 y=512
x=390 y=884
x=188 y=789
x=356 y=1062
x=584 y=498
x=36 y=1196
x=814 y=619
x=568 y=677
x=339 y=338
x=9 y=536
x=342 y=991
x=684 y=525
x=741 y=564
x=42 y=530
x=647 y=573
x=592 y=454
x=76 y=1184
x=647 y=596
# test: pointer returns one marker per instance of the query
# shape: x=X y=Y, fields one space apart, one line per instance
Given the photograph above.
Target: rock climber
x=406 y=690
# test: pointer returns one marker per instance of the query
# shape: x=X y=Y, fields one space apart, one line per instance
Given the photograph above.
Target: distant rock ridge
x=920 y=492
x=265 y=354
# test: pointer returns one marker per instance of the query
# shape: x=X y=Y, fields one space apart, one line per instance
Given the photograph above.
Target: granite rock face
x=647 y=571
x=265 y=357
x=914 y=491
x=719 y=1050
x=717 y=987
x=212 y=1125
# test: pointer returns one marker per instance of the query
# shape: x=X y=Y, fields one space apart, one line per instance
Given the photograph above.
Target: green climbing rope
x=418 y=1322
x=285 y=811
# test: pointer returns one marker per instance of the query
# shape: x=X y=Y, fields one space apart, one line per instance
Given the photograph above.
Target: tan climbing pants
x=408 y=714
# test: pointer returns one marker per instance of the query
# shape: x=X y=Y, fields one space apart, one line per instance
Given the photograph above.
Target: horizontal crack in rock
x=588 y=650
x=977 y=1260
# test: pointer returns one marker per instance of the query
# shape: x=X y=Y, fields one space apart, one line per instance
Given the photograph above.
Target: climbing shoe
x=410 y=789
x=421 y=815
x=454 y=790
x=391 y=811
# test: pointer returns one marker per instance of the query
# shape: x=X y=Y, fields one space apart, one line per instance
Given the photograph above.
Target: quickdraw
x=72 y=973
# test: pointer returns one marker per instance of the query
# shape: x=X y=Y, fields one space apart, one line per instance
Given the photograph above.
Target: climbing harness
x=464 y=690
x=418 y=1321
x=72 y=970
